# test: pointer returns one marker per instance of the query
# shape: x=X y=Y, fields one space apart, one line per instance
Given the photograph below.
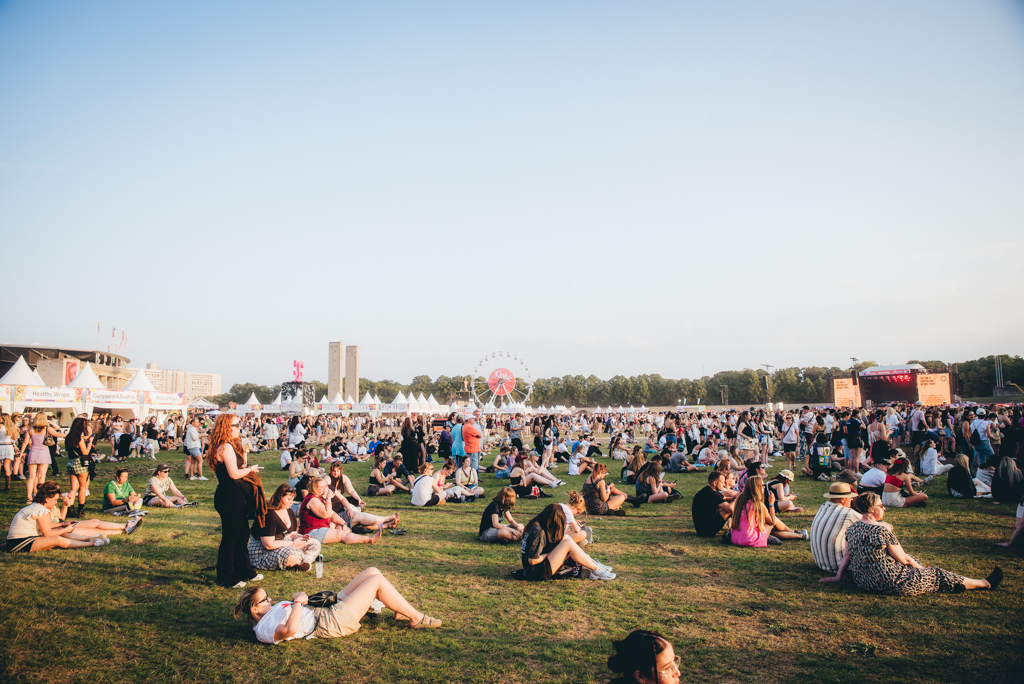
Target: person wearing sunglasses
x=644 y=657
x=275 y=623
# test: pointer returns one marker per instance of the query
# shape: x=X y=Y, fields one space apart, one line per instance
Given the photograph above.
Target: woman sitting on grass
x=644 y=657
x=617 y=448
x=757 y=525
x=650 y=488
x=119 y=496
x=425 y=490
x=633 y=465
x=573 y=528
x=491 y=527
x=161 y=492
x=342 y=487
x=524 y=478
x=317 y=520
x=278 y=544
x=960 y=483
x=467 y=478
x=548 y=554
x=578 y=463
x=784 y=499
x=896 y=478
x=879 y=564
x=287 y=620
x=378 y=483
x=40 y=525
x=600 y=497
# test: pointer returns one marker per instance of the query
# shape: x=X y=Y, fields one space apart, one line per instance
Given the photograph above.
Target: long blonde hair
x=12 y=429
x=753 y=493
x=39 y=422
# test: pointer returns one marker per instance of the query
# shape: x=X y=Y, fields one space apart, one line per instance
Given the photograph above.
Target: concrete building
x=193 y=384
x=352 y=372
x=335 y=363
x=58 y=366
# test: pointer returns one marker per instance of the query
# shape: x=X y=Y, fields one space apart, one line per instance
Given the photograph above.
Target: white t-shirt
x=422 y=490
x=286 y=459
x=171 y=429
x=829 y=422
x=296 y=436
x=574 y=464
x=790 y=433
x=278 y=615
x=569 y=517
x=808 y=421
x=980 y=425
x=873 y=478
x=917 y=421
x=892 y=421
x=270 y=431
x=24 y=523
x=930 y=462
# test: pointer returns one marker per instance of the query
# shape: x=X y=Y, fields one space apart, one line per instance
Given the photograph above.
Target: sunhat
x=839 y=490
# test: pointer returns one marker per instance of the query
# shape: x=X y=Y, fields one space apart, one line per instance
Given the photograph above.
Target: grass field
x=143 y=609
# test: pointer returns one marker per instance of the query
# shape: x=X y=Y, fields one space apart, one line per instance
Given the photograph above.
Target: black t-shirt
x=152 y=432
x=535 y=545
x=492 y=509
x=302 y=484
x=707 y=521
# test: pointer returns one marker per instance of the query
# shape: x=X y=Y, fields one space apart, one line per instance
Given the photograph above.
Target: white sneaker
x=602 y=574
x=87 y=492
x=193 y=479
x=202 y=479
x=803 y=533
x=240 y=585
x=257 y=578
x=376 y=606
x=927 y=480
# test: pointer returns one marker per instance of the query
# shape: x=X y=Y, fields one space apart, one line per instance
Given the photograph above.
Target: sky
x=598 y=187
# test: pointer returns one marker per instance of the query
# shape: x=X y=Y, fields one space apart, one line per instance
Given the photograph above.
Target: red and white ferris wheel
x=501 y=378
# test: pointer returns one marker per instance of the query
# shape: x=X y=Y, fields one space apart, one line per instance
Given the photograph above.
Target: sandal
x=398 y=531
x=426 y=622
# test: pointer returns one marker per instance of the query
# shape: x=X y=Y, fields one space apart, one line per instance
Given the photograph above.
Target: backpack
x=323 y=599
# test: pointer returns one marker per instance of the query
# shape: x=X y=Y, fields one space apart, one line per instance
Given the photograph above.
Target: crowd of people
x=873 y=460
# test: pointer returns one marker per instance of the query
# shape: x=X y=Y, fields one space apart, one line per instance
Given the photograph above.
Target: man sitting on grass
x=711 y=512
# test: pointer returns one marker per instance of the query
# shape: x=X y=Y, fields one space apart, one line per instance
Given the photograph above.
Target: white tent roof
x=277 y=401
x=367 y=399
x=86 y=379
x=252 y=400
x=39 y=379
x=348 y=399
x=432 y=401
x=140 y=383
x=376 y=399
x=337 y=399
x=323 y=400
x=598 y=409
x=199 y=403
x=20 y=374
x=454 y=407
x=400 y=399
x=422 y=400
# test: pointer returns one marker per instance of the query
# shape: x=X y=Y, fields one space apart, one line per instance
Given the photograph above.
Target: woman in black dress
x=226 y=458
x=410 y=448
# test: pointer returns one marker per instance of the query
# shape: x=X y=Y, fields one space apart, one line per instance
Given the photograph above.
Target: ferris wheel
x=501 y=378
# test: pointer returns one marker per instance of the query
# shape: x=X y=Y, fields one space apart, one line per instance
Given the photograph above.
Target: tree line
x=811 y=384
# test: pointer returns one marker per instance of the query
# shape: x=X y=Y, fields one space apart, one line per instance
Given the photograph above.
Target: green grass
x=143 y=608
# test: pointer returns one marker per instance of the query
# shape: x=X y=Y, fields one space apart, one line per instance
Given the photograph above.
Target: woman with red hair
x=235 y=488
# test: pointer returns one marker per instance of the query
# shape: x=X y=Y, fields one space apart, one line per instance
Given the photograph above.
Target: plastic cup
x=319 y=570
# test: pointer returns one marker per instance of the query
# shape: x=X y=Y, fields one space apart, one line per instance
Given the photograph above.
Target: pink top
x=747 y=535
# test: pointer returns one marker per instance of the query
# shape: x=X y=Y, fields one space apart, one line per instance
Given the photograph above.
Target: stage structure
x=906 y=383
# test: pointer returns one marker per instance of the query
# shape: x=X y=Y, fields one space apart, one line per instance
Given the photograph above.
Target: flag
x=97 y=328
x=113 y=333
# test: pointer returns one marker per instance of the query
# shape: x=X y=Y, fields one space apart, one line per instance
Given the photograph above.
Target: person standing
x=79 y=443
x=472 y=439
x=38 y=460
x=515 y=431
x=194 y=448
x=8 y=438
x=227 y=459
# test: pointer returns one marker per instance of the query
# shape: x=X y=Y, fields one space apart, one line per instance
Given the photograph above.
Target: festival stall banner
x=846 y=393
x=696 y=408
x=48 y=395
x=5 y=392
x=125 y=397
x=933 y=388
x=165 y=399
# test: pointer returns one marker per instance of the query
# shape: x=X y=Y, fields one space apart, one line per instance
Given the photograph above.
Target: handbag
x=49 y=441
x=323 y=599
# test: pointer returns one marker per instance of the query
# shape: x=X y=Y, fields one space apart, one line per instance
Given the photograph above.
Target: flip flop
x=398 y=532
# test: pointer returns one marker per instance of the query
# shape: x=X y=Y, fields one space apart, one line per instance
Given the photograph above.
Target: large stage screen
x=933 y=389
x=882 y=389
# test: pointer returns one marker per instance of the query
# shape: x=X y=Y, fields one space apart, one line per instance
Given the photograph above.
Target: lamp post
x=767 y=380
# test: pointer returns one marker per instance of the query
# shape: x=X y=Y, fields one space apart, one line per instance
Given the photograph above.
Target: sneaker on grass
x=602 y=574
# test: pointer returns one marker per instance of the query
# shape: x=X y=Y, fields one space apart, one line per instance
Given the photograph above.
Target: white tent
x=489 y=409
x=140 y=383
x=454 y=407
x=598 y=409
x=323 y=400
x=274 y=406
x=21 y=374
x=338 y=400
x=202 y=404
x=86 y=379
x=400 y=404
x=349 y=400
x=433 y=406
x=367 y=405
x=251 y=405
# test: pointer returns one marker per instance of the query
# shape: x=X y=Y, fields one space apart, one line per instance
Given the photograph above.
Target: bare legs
x=36 y=475
x=370 y=520
x=568 y=547
x=369 y=585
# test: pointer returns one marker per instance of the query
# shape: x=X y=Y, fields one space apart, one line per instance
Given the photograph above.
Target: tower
x=351 y=372
x=334 y=374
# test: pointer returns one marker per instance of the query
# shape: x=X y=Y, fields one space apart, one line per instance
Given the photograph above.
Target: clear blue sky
x=599 y=187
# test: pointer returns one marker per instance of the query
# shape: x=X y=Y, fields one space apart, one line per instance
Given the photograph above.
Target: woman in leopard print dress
x=879 y=564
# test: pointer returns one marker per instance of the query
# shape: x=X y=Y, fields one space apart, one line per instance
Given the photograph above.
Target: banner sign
x=699 y=408
x=933 y=389
x=5 y=392
x=48 y=394
x=846 y=393
x=113 y=397
x=165 y=399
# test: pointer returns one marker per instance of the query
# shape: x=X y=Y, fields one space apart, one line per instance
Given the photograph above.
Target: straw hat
x=839 y=490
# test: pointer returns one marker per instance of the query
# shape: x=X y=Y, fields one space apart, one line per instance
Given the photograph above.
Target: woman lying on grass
x=548 y=554
x=40 y=525
x=287 y=620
